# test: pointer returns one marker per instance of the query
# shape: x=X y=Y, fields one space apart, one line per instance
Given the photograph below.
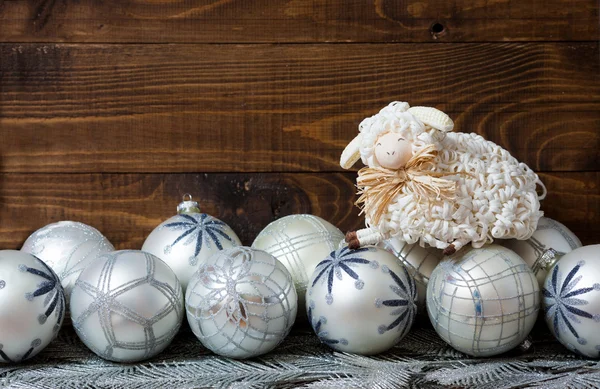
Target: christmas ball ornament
x=483 y=301
x=186 y=240
x=361 y=301
x=549 y=234
x=241 y=303
x=419 y=261
x=299 y=242
x=127 y=306
x=572 y=300
x=67 y=247
x=32 y=305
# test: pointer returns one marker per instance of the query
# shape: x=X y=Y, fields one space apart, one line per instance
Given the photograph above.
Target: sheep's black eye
x=399 y=139
x=378 y=144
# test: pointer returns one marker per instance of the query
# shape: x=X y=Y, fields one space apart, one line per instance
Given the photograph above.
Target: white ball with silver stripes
x=187 y=239
x=32 y=305
x=361 y=301
x=549 y=234
x=299 y=242
x=483 y=301
x=127 y=306
x=67 y=247
x=241 y=303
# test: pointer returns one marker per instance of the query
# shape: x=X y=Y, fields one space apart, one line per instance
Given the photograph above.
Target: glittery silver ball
x=299 y=242
x=361 y=301
x=127 y=306
x=418 y=261
x=67 y=247
x=185 y=241
x=32 y=305
x=572 y=300
x=241 y=303
x=549 y=234
x=483 y=301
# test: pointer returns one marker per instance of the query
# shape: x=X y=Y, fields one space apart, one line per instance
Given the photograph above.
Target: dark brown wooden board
x=248 y=108
x=126 y=207
x=231 y=21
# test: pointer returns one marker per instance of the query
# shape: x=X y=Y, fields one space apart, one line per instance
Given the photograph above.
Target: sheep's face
x=392 y=151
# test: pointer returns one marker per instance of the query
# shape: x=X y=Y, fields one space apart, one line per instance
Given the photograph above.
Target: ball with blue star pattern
x=361 y=301
x=32 y=305
x=572 y=300
x=186 y=240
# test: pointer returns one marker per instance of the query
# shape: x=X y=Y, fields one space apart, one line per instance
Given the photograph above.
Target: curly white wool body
x=495 y=194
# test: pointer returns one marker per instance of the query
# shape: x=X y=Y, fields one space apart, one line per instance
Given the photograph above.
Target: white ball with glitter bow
x=483 y=302
x=361 y=301
x=32 y=306
x=186 y=240
x=572 y=300
x=67 y=247
x=241 y=303
x=127 y=306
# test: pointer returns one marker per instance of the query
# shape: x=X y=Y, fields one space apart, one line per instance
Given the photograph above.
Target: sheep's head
x=390 y=138
x=392 y=151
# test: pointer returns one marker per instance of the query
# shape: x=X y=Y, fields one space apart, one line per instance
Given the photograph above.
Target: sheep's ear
x=434 y=118
x=351 y=153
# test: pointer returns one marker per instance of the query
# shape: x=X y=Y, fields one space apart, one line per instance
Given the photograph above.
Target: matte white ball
x=32 y=305
x=299 y=242
x=483 y=301
x=419 y=261
x=67 y=247
x=185 y=241
x=549 y=234
x=572 y=300
x=361 y=301
x=241 y=303
x=127 y=306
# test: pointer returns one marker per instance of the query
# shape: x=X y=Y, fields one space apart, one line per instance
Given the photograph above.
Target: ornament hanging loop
x=546 y=260
x=188 y=205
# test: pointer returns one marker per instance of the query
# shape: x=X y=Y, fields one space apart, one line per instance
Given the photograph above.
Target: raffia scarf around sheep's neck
x=378 y=186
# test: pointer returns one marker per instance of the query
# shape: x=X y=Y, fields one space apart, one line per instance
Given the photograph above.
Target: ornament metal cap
x=188 y=205
x=546 y=260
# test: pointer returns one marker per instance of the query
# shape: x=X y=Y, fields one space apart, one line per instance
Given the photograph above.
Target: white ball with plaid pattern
x=483 y=301
x=300 y=242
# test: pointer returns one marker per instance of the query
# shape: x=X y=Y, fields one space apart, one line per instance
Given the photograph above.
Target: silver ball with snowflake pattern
x=572 y=300
x=361 y=301
x=32 y=305
x=241 y=303
x=186 y=240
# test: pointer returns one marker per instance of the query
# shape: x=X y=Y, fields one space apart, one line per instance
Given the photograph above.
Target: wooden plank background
x=110 y=111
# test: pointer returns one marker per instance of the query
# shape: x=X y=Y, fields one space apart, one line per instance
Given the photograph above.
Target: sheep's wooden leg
x=364 y=237
x=454 y=247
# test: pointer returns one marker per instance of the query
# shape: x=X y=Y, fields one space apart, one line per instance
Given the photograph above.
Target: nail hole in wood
x=437 y=30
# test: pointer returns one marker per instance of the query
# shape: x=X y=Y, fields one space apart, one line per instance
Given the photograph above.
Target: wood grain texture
x=248 y=108
x=231 y=21
x=126 y=207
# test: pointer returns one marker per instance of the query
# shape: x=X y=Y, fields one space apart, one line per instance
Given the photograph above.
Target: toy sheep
x=425 y=184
